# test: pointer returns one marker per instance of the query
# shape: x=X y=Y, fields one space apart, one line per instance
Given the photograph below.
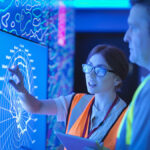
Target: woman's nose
x=92 y=73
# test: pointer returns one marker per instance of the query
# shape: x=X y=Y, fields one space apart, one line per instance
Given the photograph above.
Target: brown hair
x=114 y=57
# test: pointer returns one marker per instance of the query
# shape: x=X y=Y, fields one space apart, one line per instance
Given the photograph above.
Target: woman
x=96 y=115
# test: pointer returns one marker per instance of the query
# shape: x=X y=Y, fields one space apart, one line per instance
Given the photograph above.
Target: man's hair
x=145 y=3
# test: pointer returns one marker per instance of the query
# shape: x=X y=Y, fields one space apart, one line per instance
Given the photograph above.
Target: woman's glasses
x=99 y=70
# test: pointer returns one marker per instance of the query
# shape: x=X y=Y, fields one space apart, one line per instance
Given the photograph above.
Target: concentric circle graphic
x=16 y=125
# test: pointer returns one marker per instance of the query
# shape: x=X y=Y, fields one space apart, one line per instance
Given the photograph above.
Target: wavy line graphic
x=5 y=5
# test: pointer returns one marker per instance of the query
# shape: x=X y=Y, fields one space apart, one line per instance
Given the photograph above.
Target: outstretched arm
x=29 y=102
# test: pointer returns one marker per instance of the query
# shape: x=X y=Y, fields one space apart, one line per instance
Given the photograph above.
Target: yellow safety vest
x=130 y=112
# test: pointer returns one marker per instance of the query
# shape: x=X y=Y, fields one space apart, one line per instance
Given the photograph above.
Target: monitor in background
x=18 y=129
x=103 y=4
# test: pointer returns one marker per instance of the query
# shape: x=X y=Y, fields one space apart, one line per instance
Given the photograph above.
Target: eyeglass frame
x=99 y=66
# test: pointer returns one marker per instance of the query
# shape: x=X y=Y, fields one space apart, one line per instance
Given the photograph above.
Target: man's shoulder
x=146 y=88
x=144 y=96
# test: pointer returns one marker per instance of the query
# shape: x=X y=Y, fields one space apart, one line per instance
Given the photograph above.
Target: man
x=134 y=131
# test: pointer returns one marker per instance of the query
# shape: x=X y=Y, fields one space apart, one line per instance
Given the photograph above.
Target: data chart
x=18 y=128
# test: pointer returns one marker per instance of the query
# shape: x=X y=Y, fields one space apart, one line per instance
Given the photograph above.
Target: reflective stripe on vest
x=110 y=139
x=78 y=114
x=129 y=114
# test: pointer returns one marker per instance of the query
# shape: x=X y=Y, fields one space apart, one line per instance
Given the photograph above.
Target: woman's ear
x=117 y=81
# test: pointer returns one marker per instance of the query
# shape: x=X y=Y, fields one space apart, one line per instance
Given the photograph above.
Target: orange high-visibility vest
x=79 y=118
x=111 y=137
x=78 y=114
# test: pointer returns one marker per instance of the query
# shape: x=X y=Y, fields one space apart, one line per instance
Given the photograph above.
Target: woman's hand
x=29 y=102
x=19 y=86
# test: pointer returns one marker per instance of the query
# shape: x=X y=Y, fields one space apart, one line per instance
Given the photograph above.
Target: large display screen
x=20 y=130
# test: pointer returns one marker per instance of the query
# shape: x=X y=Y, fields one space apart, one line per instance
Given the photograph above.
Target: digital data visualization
x=20 y=130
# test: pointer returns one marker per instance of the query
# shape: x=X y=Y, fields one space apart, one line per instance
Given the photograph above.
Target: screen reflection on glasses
x=99 y=70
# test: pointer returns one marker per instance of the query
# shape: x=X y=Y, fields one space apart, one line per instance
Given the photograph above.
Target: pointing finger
x=16 y=71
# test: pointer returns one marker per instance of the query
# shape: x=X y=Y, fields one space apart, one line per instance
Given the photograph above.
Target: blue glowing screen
x=20 y=130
